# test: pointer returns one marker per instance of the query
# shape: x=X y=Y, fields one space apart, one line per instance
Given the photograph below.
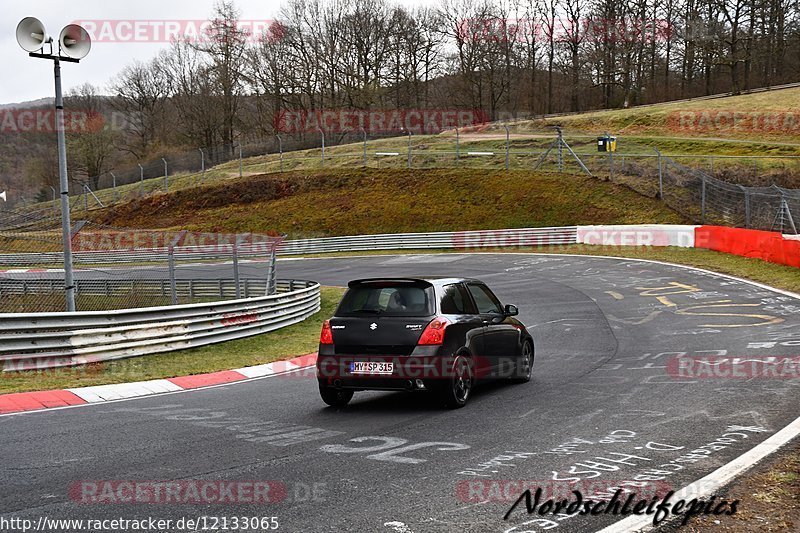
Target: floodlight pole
x=69 y=281
x=66 y=41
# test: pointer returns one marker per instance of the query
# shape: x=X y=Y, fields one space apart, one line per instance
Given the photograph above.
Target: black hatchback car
x=436 y=334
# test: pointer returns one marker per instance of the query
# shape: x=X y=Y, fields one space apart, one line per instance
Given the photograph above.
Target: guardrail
x=50 y=340
x=442 y=239
x=385 y=241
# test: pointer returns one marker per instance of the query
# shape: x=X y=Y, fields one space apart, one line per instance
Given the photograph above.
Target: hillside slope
x=368 y=201
x=772 y=116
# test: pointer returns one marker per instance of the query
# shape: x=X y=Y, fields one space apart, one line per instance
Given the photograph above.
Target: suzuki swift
x=434 y=334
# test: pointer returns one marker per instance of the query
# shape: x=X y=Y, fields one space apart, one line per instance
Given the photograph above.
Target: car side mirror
x=511 y=310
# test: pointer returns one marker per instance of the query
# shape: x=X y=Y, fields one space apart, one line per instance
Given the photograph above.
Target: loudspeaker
x=3 y=196
x=31 y=35
x=75 y=41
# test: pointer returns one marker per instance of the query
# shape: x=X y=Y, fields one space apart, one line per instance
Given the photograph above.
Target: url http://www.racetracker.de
x=147 y=524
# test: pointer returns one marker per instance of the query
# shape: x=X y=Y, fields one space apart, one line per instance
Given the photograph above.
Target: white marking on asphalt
x=399 y=527
x=716 y=479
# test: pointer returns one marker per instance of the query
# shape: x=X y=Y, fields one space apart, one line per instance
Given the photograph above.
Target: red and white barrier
x=638 y=235
x=766 y=245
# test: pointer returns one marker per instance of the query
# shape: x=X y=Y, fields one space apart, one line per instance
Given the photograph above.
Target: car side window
x=455 y=301
x=484 y=299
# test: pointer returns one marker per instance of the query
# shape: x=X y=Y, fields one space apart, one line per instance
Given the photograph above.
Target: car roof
x=433 y=280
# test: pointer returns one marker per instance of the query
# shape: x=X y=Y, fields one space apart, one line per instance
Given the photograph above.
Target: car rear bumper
x=338 y=368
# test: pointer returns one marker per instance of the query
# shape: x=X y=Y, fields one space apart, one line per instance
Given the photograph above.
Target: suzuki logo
x=373 y=326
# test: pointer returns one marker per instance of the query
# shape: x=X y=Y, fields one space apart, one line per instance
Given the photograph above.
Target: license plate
x=366 y=367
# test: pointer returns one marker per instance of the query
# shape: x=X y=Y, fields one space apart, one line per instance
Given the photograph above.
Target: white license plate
x=366 y=367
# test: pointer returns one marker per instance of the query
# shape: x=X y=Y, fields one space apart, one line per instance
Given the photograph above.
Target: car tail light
x=434 y=332
x=326 y=336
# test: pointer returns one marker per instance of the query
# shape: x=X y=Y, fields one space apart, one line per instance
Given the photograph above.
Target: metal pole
x=365 y=145
x=703 y=201
x=507 y=145
x=746 y=206
x=166 y=175
x=409 y=150
x=55 y=202
x=280 y=149
x=202 y=165
x=236 y=268
x=660 y=176
x=141 y=180
x=85 y=198
x=458 y=147
x=322 y=134
x=114 y=184
x=240 y=160
x=172 y=283
x=69 y=282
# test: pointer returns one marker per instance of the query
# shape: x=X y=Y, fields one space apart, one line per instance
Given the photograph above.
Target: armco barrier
x=49 y=340
x=442 y=239
x=638 y=235
x=389 y=241
x=766 y=245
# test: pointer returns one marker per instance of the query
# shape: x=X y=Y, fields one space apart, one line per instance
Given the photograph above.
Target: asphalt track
x=602 y=407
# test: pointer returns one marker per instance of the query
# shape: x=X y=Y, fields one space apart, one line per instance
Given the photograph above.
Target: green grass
x=660 y=119
x=639 y=129
x=368 y=201
x=298 y=339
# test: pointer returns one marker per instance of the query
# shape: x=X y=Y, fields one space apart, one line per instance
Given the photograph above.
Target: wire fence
x=118 y=268
x=704 y=187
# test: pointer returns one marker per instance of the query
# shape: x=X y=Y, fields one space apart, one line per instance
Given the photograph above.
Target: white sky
x=29 y=79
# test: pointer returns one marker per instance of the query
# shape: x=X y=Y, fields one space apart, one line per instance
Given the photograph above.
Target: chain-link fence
x=118 y=268
x=680 y=179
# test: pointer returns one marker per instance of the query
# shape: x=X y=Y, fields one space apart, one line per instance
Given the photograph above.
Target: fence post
x=141 y=180
x=166 y=175
x=365 y=145
x=660 y=176
x=202 y=165
x=507 y=144
x=280 y=149
x=55 y=202
x=172 y=283
x=114 y=184
x=703 y=201
x=235 y=254
x=85 y=198
x=272 y=286
x=746 y=192
x=610 y=160
x=322 y=135
x=458 y=147
x=240 y=160
x=409 y=150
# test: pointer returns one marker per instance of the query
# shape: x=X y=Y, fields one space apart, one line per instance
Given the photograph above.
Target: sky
x=32 y=78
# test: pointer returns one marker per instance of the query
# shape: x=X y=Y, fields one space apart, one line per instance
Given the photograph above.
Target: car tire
x=456 y=390
x=335 y=397
x=524 y=367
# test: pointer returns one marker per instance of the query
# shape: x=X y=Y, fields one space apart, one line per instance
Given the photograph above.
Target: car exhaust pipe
x=409 y=384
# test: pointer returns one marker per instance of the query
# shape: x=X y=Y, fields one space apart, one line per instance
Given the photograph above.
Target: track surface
x=604 y=331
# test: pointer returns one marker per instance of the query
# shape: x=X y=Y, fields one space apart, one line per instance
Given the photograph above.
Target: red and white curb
x=35 y=401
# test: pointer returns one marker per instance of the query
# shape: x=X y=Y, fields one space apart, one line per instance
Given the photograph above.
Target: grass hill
x=368 y=201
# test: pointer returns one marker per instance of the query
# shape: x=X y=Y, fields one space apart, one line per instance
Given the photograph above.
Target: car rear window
x=387 y=299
